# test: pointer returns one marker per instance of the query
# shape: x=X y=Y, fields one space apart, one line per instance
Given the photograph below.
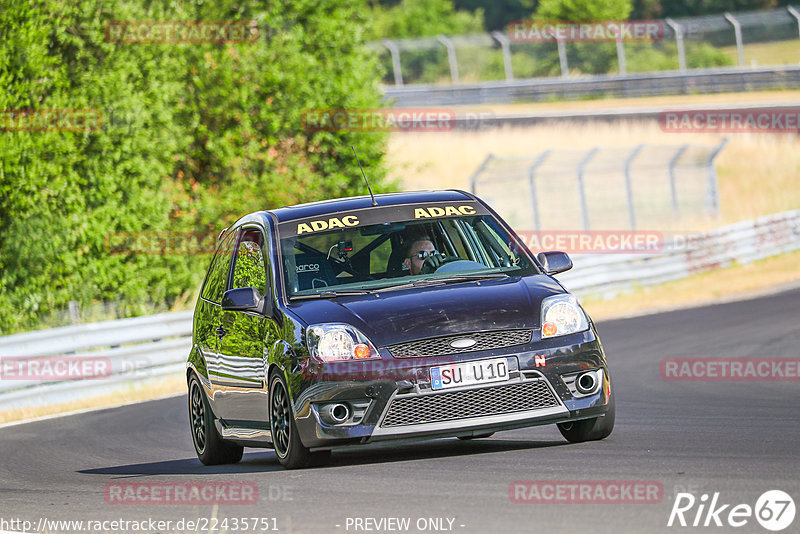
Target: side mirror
x=554 y=262
x=243 y=299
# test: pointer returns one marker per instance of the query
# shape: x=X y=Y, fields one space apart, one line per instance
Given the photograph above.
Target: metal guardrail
x=743 y=242
x=148 y=349
x=698 y=81
x=482 y=119
x=137 y=351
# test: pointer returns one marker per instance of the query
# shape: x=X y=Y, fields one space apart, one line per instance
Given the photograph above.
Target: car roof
x=339 y=205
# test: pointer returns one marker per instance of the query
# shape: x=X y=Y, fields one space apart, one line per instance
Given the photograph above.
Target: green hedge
x=193 y=136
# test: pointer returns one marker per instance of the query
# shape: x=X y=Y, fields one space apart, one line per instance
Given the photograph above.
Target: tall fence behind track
x=742 y=39
x=144 y=350
x=644 y=186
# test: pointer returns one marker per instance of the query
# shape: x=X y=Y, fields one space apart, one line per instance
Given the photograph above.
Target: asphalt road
x=736 y=438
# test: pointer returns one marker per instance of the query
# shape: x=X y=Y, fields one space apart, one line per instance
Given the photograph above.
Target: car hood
x=403 y=315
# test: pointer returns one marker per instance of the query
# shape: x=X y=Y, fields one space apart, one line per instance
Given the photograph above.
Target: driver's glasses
x=424 y=254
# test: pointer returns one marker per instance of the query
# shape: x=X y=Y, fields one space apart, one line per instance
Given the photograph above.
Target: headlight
x=333 y=342
x=561 y=315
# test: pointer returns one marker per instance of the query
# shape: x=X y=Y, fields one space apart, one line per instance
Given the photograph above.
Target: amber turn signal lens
x=361 y=351
x=549 y=329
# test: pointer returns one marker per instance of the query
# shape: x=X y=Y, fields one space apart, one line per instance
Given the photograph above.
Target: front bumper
x=400 y=403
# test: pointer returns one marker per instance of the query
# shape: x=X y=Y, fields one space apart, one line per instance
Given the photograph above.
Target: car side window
x=218 y=272
x=250 y=269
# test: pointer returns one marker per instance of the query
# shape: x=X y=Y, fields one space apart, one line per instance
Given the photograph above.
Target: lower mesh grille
x=454 y=405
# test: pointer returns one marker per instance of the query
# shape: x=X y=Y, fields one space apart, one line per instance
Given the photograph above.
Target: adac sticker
x=443 y=211
x=327 y=224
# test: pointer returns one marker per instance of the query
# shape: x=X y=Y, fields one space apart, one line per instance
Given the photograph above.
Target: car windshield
x=389 y=248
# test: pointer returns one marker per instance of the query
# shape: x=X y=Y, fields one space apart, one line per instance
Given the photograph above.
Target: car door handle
x=220 y=331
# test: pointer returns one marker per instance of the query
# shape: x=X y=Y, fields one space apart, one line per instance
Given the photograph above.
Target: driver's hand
x=433 y=262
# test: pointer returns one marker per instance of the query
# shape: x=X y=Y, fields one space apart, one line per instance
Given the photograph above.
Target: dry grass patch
x=758 y=173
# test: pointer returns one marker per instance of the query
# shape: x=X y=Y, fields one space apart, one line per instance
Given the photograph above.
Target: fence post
x=673 y=190
x=74 y=312
x=582 y=189
x=629 y=186
x=473 y=180
x=678 y=41
x=796 y=14
x=451 y=56
x=737 y=31
x=394 y=50
x=623 y=64
x=562 y=58
x=532 y=181
x=713 y=197
x=505 y=44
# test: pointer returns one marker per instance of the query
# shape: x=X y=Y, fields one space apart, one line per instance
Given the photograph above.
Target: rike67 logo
x=774 y=510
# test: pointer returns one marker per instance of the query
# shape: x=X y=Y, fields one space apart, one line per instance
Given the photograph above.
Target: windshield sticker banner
x=380 y=215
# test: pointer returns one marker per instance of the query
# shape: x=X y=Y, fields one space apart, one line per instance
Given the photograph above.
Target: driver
x=422 y=257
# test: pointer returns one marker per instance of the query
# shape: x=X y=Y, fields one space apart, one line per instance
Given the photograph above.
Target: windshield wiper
x=468 y=277
x=330 y=293
x=443 y=280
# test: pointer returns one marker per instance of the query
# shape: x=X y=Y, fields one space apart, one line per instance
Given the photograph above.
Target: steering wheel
x=434 y=262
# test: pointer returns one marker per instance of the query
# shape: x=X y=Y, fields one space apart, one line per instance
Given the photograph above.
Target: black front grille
x=440 y=346
x=454 y=405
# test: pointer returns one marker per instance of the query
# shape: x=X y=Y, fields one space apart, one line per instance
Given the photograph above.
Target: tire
x=479 y=436
x=291 y=452
x=590 y=429
x=211 y=449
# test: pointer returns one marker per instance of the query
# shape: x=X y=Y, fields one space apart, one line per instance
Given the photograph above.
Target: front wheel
x=590 y=429
x=292 y=454
x=208 y=444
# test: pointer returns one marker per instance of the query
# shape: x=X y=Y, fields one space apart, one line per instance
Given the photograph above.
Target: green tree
x=423 y=18
x=588 y=58
x=692 y=8
x=61 y=192
x=575 y=10
x=247 y=104
x=193 y=137
x=497 y=14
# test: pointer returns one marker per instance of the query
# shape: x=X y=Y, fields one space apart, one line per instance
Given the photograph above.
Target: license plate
x=469 y=373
